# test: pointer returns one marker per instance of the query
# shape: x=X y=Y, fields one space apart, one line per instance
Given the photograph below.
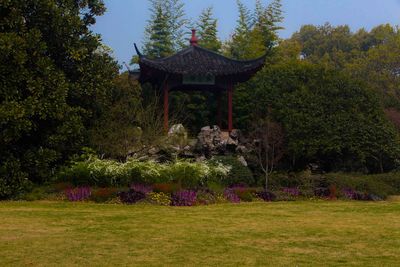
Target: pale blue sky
x=124 y=21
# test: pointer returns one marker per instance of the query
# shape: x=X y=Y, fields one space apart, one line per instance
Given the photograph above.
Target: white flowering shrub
x=99 y=172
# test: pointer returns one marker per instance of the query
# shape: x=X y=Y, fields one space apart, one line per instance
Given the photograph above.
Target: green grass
x=265 y=234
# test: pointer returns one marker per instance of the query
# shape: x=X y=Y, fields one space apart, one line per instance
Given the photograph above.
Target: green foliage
x=207 y=30
x=256 y=33
x=381 y=185
x=56 y=78
x=205 y=197
x=13 y=182
x=327 y=116
x=238 y=174
x=159 y=198
x=127 y=123
x=164 y=33
x=98 y=172
x=371 y=56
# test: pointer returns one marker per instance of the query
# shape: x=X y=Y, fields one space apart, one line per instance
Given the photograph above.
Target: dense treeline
x=333 y=93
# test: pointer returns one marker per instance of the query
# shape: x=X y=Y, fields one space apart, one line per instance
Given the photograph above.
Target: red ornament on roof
x=193 y=40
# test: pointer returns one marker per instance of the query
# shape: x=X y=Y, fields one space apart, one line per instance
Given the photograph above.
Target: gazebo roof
x=196 y=60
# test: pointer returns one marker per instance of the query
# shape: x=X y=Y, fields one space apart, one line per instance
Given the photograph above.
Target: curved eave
x=228 y=66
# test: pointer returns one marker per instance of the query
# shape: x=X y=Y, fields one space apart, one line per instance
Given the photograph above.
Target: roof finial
x=137 y=50
x=193 y=40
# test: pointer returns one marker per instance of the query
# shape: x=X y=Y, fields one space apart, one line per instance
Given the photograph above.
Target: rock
x=153 y=151
x=232 y=142
x=235 y=134
x=209 y=141
x=242 y=160
x=177 y=135
x=241 y=149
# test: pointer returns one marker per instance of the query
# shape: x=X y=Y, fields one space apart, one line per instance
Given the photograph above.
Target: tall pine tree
x=257 y=32
x=238 y=45
x=207 y=30
x=158 y=35
x=165 y=32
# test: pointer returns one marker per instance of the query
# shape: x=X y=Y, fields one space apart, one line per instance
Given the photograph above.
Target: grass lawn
x=272 y=234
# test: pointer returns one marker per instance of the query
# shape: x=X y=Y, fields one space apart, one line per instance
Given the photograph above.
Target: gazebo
x=196 y=68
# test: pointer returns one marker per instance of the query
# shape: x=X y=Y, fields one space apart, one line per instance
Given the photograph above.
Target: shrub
x=244 y=193
x=238 y=173
x=292 y=191
x=331 y=185
x=78 y=194
x=97 y=172
x=159 y=198
x=194 y=174
x=131 y=196
x=205 y=197
x=220 y=198
x=184 y=198
x=144 y=172
x=13 y=181
x=104 y=194
x=231 y=195
x=266 y=196
x=216 y=187
x=380 y=185
x=355 y=195
x=322 y=192
x=36 y=193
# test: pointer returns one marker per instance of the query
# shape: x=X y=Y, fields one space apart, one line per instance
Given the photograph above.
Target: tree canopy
x=56 y=79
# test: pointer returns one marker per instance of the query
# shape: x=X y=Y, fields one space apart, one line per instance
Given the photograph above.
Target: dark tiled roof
x=199 y=61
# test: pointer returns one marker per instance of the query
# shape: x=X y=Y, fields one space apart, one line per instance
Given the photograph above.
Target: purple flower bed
x=355 y=195
x=292 y=191
x=184 y=198
x=78 y=194
x=230 y=195
x=145 y=189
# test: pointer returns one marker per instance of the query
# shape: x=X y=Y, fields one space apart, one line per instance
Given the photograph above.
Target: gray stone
x=178 y=136
x=153 y=151
x=242 y=160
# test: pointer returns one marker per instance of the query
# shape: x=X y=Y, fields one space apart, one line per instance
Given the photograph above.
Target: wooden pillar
x=219 y=110
x=166 y=126
x=230 y=96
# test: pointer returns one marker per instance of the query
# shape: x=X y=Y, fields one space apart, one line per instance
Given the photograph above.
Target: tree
x=117 y=131
x=327 y=116
x=158 y=36
x=380 y=68
x=207 y=30
x=238 y=46
x=178 y=23
x=56 y=80
x=268 y=20
x=256 y=33
x=164 y=33
x=269 y=144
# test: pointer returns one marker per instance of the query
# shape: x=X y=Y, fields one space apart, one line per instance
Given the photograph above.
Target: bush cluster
x=336 y=185
x=103 y=173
